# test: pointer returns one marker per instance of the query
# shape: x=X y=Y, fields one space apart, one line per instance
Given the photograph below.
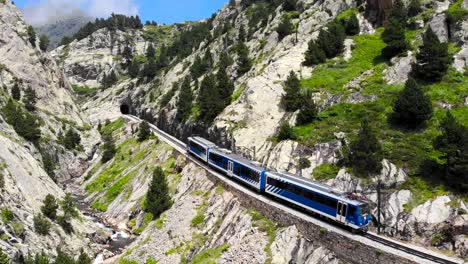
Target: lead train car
x=318 y=199
x=199 y=147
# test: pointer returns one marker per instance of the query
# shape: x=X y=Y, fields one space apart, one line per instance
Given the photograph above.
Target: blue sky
x=162 y=11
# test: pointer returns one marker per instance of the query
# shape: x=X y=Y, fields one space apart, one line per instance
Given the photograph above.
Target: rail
x=423 y=254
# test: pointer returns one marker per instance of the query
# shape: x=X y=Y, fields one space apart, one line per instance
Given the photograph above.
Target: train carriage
x=199 y=147
x=237 y=167
x=318 y=199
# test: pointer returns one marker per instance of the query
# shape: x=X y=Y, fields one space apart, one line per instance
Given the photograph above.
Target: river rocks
x=398 y=72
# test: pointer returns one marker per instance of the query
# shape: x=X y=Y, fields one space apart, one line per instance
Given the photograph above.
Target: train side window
x=197 y=147
x=351 y=211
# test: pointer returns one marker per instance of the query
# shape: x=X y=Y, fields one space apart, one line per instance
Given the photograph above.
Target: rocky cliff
x=25 y=182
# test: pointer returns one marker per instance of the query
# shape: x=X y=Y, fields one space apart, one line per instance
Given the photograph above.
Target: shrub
x=331 y=41
x=285 y=27
x=7 y=215
x=44 y=42
x=41 y=225
x=72 y=139
x=352 y=26
x=144 y=131
x=25 y=124
x=414 y=8
x=244 y=63
x=395 y=38
x=50 y=206
x=4 y=259
x=32 y=36
x=285 y=132
x=108 y=149
x=308 y=110
x=184 y=102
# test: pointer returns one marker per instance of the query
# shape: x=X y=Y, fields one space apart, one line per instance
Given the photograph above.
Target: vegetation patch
x=326 y=171
x=422 y=191
x=265 y=225
x=84 y=90
x=456 y=13
x=334 y=74
x=209 y=255
x=111 y=127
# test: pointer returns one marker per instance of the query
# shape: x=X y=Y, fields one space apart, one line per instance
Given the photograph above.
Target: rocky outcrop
x=378 y=11
x=401 y=67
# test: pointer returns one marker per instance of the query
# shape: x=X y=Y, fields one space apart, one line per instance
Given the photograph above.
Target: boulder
x=399 y=70
x=460 y=62
x=434 y=211
x=461 y=246
x=439 y=25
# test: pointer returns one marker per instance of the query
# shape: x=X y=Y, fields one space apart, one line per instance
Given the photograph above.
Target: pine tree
x=32 y=36
x=412 y=107
x=44 y=42
x=150 y=52
x=184 y=102
x=394 y=37
x=16 y=92
x=399 y=12
x=352 y=25
x=150 y=70
x=30 y=99
x=414 y=8
x=314 y=54
x=366 y=152
x=289 y=5
x=108 y=149
x=453 y=144
x=133 y=69
x=208 y=99
x=50 y=206
x=433 y=59
x=41 y=258
x=4 y=259
x=331 y=41
x=291 y=99
x=157 y=198
x=308 y=110
x=224 y=85
x=127 y=54
x=144 y=131
x=243 y=60
x=285 y=27
x=242 y=34
x=72 y=139
x=68 y=207
x=25 y=124
x=207 y=61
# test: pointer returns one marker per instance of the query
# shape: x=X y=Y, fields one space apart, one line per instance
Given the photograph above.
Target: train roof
x=238 y=158
x=316 y=186
x=202 y=141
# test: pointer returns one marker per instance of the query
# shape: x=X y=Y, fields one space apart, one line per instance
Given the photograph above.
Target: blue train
x=301 y=192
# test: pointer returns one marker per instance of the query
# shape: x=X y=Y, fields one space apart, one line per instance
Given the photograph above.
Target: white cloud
x=103 y=8
x=38 y=12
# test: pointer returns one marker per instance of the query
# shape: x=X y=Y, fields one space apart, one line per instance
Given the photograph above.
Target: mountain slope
x=28 y=168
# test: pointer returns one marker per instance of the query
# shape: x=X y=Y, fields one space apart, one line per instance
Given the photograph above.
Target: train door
x=341 y=212
x=230 y=168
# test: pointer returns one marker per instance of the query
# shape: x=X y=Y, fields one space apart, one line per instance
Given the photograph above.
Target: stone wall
x=345 y=248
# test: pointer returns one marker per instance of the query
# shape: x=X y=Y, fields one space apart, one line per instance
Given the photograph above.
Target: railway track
x=181 y=147
x=407 y=249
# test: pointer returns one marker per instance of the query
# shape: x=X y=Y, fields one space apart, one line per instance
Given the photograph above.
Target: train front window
x=364 y=209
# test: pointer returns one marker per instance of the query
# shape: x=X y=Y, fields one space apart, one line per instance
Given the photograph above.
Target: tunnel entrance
x=124 y=109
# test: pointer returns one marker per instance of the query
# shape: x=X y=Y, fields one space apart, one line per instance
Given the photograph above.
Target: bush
x=308 y=111
x=184 y=102
x=4 y=259
x=352 y=26
x=38 y=259
x=72 y=139
x=285 y=27
x=331 y=41
x=32 y=36
x=50 y=206
x=41 y=225
x=144 y=131
x=7 y=215
x=2 y=181
x=285 y=132
x=108 y=149
x=414 y=8
x=44 y=42
x=157 y=197
x=395 y=38
x=412 y=108
x=244 y=63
